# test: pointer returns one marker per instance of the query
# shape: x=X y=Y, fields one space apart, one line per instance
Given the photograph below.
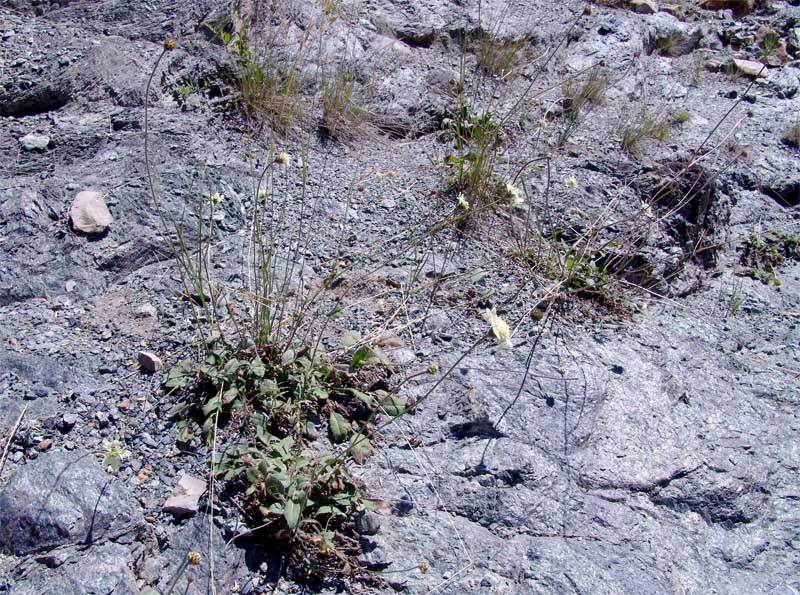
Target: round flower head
x=170 y=44
x=282 y=158
x=500 y=328
x=194 y=558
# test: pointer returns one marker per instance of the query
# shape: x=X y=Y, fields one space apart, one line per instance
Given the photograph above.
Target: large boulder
x=60 y=498
x=102 y=569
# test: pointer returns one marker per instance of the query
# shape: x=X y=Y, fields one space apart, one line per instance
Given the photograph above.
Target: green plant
x=769 y=40
x=477 y=140
x=735 y=299
x=579 y=96
x=680 y=116
x=762 y=256
x=268 y=81
x=643 y=125
x=310 y=492
x=344 y=116
x=501 y=58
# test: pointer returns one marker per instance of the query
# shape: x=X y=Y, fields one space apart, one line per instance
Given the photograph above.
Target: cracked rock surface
x=655 y=452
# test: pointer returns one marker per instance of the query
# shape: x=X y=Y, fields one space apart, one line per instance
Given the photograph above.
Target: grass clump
x=680 y=116
x=579 y=97
x=501 y=58
x=344 y=116
x=644 y=125
x=268 y=83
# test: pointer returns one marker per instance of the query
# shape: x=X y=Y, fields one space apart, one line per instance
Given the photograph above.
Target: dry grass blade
x=10 y=438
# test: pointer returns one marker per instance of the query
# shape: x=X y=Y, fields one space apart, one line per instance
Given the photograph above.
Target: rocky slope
x=650 y=452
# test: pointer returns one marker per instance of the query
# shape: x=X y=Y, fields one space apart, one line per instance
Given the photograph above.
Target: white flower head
x=462 y=201
x=282 y=158
x=217 y=198
x=262 y=194
x=571 y=182
x=647 y=210
x=516 y=195
x=500 y=328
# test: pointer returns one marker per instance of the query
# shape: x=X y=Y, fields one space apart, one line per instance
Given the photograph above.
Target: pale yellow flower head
x=515 y=193
x=500 y=328
x=462 y=201
x=217 y=198
x=647 y=210
x=282 y=158
x=571 y=182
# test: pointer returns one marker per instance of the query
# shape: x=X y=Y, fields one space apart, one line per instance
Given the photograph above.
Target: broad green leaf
x=262 y=434
x=230 y=395
x=274 y=486
x=231 y=366
x=363 y=397
x=394 y=405
x=360 y=448
x=178 y=409
x=350 y=338
x=208 y=426
x=365 y=355
x=269 y=387
x=338 y=427
x=287 y=357
x=212 y=405
x=477 y=275
x=293 y=510
x=257 y=367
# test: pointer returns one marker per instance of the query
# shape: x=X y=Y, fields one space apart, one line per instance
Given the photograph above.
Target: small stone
x=147 y=311
x=367 y=523
x=45 y=444
x=750 y=68
x=185 y=496
x=70 y=286
x=150 y=362
x=147 y=440
x=738 y=7
x=68 y=422
x=35 y=141
x=102 y=419
x=644 y=6
x=89 y=213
